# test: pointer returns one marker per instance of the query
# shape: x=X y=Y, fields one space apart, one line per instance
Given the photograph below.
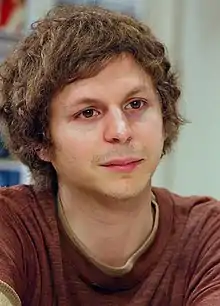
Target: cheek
x=151 y=131
x=73 y=146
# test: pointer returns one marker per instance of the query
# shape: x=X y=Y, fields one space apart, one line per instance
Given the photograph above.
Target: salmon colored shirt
x=43 y=264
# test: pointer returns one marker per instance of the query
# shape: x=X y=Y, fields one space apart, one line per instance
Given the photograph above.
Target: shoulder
x=196 y=219
x=25 y=212
x=15 y=204
x=27 y=227
x=22 y=199
x=191 y=206
x=16 y=198
x=13 y=241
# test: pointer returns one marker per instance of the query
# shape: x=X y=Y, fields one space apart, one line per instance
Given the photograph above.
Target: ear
x=44 y=155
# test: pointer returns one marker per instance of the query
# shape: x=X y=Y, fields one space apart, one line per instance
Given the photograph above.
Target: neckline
x=95 y=277
x=110 y=270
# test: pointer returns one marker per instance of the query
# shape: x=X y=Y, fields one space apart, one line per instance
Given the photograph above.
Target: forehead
x=123 y=69
x=120 y=76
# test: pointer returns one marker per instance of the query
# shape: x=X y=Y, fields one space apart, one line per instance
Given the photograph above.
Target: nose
x=117 y=128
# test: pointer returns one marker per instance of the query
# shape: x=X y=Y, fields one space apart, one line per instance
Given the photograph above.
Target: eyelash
x=144 y=103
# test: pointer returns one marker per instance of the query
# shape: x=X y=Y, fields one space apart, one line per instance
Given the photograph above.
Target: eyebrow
x=137 y=89
x=87 y=100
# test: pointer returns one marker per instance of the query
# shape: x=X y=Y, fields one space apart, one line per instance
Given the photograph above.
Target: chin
x=121 y=196
x=125 y=192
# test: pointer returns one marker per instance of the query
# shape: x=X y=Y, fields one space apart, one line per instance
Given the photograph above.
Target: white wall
x=194 y=40
x=37 y=9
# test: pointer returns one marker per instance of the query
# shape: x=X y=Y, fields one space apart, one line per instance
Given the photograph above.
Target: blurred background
x=191 y=31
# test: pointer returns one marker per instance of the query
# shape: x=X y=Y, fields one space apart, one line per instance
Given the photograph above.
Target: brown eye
x=136 y=104
x=88 y=113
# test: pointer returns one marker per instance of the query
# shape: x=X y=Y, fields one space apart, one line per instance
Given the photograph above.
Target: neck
x=113 y=231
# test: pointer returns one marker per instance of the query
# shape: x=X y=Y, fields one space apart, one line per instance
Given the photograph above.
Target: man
x=89 y=104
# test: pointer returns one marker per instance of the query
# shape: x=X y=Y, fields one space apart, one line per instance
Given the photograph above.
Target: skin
x=115 y=114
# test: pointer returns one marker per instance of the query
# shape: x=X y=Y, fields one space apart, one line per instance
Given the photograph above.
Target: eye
x=88 y=113
x=136 y=104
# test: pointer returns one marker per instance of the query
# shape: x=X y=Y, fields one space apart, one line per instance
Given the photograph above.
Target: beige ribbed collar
x=113 y=271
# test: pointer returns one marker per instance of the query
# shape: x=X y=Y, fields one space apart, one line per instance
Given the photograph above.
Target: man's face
x=107 y=131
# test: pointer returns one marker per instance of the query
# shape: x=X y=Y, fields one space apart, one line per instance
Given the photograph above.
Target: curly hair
x=73 y=42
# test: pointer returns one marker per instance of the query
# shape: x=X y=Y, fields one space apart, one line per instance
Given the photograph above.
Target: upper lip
x=122 y=162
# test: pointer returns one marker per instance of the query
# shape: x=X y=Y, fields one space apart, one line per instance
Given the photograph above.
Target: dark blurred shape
x=3 y=151
x=9 y=178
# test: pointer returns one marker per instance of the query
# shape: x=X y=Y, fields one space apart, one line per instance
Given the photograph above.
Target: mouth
x=123 y=165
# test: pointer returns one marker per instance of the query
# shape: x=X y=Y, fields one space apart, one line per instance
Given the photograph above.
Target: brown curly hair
x=74 y=42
